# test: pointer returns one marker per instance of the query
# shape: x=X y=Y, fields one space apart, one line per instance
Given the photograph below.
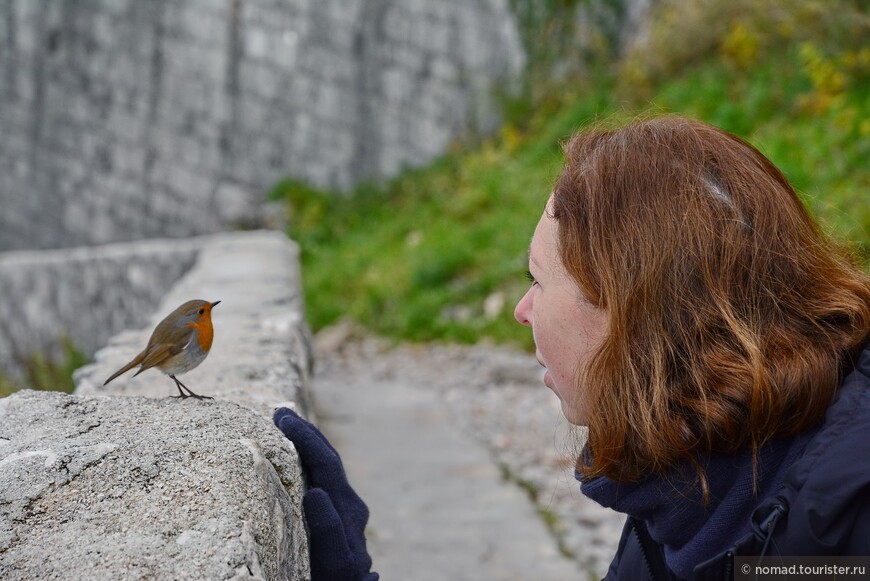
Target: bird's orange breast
x=205 y=334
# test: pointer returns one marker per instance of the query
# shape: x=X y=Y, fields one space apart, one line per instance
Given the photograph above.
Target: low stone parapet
x=124 y=482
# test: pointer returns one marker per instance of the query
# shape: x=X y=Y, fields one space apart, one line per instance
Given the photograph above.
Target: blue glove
x=335 y=514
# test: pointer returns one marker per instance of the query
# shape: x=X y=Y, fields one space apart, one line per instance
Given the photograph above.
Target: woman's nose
x=523 y=308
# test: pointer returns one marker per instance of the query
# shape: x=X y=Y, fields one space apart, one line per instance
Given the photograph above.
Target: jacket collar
x=671 y=506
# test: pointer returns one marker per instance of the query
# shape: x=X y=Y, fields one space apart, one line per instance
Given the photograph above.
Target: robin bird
x=179 y=343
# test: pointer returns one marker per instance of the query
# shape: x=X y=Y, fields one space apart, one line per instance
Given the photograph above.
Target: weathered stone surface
x=96 y=487
x=125 y=120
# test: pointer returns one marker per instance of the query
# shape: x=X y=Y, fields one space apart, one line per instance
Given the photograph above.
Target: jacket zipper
x=729 y=566
x=651 y=553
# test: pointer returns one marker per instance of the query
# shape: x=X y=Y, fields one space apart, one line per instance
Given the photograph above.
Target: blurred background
x=408 y=147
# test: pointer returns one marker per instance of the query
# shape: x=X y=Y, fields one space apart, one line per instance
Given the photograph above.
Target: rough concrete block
x=104 y=487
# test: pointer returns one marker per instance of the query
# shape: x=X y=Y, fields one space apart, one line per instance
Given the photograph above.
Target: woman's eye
x=530 y=276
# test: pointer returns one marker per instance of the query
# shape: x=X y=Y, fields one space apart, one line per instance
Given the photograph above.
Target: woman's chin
x=572 y=414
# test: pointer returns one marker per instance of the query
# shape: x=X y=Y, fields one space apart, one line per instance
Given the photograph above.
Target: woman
x=688 y=310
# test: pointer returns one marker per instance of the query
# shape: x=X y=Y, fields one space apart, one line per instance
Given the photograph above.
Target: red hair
x=730 y=313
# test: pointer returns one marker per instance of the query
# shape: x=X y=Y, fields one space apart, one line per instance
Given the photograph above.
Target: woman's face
x=566 y=327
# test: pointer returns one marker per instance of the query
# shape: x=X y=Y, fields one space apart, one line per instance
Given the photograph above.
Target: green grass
x=417 y=258
x=38 y=372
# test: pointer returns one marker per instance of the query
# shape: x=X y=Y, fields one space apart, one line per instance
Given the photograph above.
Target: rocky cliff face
x=124 y=120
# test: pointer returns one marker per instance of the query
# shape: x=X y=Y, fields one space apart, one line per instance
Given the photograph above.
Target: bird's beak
x=214 y=304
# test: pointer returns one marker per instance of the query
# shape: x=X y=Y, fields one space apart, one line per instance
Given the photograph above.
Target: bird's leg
x=189 y=393
x=178 y=384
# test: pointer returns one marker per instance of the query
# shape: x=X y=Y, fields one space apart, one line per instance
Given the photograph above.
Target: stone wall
x=124 y=119
x=83 y=295
x=122 y=482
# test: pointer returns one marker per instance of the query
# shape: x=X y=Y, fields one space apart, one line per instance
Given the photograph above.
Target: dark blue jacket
x=821 y=509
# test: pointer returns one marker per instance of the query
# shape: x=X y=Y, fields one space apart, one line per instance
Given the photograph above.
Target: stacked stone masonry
x=124 y=119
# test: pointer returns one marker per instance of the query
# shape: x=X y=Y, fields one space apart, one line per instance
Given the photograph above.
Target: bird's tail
x=136 y=361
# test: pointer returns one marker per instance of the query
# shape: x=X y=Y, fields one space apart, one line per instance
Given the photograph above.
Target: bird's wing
x=173 y=341
x=171 y=333
x=157 y=354
x=168 y=339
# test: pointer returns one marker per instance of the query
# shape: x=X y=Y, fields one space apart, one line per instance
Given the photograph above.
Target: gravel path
x=496 y=401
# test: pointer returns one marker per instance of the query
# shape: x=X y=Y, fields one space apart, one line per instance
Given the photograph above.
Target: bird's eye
x=202 y=311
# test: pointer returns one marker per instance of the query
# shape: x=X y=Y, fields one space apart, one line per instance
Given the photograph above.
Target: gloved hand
x=336 y=515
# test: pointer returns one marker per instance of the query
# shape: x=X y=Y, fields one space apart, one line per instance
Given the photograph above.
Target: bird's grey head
x=193 y=310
